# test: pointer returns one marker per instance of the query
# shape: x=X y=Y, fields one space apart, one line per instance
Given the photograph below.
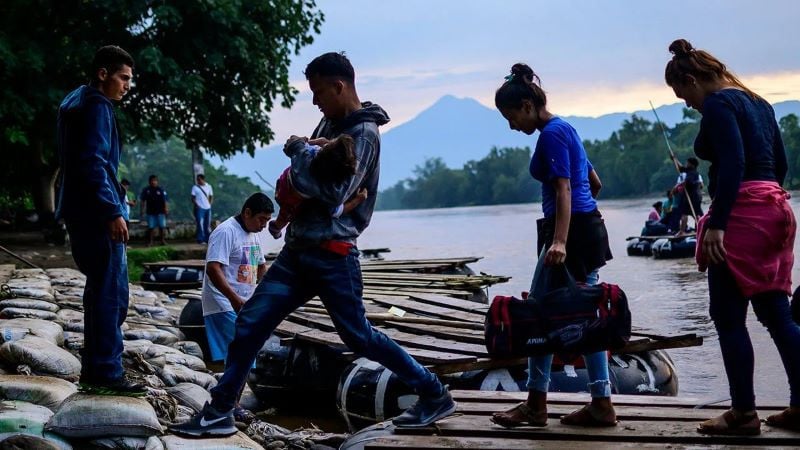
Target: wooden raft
x=644 y=422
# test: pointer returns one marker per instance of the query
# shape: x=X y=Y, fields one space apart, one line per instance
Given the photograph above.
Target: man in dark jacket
x=91 y=202
x=320 y=258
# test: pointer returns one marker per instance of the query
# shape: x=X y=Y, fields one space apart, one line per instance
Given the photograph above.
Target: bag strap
x=543 y=278
x=201 y=190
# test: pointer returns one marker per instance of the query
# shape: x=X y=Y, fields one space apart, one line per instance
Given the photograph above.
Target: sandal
x=584 y=417
x=788 y=419
x=510 y=419
x=732 y=423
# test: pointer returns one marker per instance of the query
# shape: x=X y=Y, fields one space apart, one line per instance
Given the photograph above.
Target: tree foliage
x=634 y=161
x=207 y=71
x=172 y=164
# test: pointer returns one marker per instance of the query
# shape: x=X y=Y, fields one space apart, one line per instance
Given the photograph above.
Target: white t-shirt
x=240 y=254
x=201 y=200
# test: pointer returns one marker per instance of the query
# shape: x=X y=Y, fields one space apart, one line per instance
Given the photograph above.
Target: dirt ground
x=32 y=247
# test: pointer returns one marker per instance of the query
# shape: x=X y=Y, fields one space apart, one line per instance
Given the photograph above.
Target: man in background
x=202 y=198
x=154 y=204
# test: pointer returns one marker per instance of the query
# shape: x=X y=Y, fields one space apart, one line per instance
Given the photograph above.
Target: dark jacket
x=88 y=151
x=313 y=222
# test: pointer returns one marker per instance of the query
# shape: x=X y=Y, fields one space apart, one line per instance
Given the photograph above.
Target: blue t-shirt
x=560 y=154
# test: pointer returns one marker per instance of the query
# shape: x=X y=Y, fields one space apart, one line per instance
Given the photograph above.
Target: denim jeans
x=203 y=219
x=596 y=365
x=295 y=277
x=728 y=309
x=105 y=298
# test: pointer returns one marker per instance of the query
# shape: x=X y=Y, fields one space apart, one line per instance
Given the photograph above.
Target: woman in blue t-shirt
x=572 y=230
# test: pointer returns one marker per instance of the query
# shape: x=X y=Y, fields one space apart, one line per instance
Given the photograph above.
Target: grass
x=137 y=257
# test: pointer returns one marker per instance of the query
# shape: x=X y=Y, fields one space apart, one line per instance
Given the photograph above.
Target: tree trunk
x=197 y=164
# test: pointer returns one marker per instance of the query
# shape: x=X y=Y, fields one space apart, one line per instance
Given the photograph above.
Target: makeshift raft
x=429 y=315
x=662 y=247
x=644 y=422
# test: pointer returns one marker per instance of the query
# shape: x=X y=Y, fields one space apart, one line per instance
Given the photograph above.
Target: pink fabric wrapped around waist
x=759 y=239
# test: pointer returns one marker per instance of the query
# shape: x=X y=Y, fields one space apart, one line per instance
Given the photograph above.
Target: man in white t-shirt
x=202 y=198
x=234 y=265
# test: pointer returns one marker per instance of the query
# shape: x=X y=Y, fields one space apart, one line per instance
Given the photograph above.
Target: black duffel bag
x=560 y=316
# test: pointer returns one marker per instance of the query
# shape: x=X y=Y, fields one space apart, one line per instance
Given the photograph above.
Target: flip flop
x=732 y=423
x=503 y=419
x=584 y=418
x=788 y=419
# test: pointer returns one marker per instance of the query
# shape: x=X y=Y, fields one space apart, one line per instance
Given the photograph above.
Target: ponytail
x=700 y=64
x=521 y=84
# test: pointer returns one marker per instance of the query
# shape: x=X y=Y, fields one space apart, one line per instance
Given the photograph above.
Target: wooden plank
x=624 y=413
x=483 y=443
x=582 y=398
x=632 y=431
x=186 y=263
x=432 y=310
x=460 y=260
x=407 y=340
x=297 y=331
x=671 y=237
x=455 y=303
x=384 y=290
x=444 y=332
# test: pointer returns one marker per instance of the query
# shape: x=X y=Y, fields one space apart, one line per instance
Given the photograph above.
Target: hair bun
x=680 y=47
x=522 y=71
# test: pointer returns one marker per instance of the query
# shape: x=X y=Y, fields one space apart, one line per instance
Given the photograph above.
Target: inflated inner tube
x=370 y=393
x=674 y=248
x=172 y=274
x=639 y=247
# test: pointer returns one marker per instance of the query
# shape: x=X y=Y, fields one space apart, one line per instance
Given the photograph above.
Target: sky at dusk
x=593 y=57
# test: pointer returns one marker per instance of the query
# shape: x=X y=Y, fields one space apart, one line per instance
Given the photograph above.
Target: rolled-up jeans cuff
x=600 y=388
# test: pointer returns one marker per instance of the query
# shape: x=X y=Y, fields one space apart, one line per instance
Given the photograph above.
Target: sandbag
x=44 y=329
x=33 y=292
x=95 y=416
x=190 y=394
x=155 y=312
x=49 y=392
x=27 y=442
x=155 y=336
x=28 y=303
x=42 y=356
x=8 y=334
x=238 y=441
x=135 y=346
x=183 y=359
x=173 y=374
x=30 y=273
x=23 y=417
x=121 y=443
x=13 y=313
x=73 y=340
x=66 y=315
x=189 y=348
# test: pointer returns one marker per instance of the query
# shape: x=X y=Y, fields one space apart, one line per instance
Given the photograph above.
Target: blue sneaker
x=208 y=422
x=426 y=411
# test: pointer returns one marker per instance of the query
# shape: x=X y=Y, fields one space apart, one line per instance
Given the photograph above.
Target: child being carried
x=333 y=162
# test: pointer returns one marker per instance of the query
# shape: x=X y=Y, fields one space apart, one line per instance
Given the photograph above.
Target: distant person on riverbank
x=747 y=237
x=572 y=231
x=202 y=198
x=320 y=258
x=331 y=162
x=234 y=265
x=92 y=204
x=154 y=205
x=690 y=185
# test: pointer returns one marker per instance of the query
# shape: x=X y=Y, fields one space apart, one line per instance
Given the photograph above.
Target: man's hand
x=556 y=254
x=237 y=303
x=713 y=247
x=117 y=230
x=362 y=194
x=319 y=141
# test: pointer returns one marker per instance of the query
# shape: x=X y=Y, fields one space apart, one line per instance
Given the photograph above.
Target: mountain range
x=457 y=130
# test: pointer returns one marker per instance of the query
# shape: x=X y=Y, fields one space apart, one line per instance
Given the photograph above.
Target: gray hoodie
x=313 y=223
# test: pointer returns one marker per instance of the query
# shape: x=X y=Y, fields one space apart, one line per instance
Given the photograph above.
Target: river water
x=666 y=297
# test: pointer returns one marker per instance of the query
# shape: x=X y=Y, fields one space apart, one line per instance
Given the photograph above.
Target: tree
x=208 y=72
